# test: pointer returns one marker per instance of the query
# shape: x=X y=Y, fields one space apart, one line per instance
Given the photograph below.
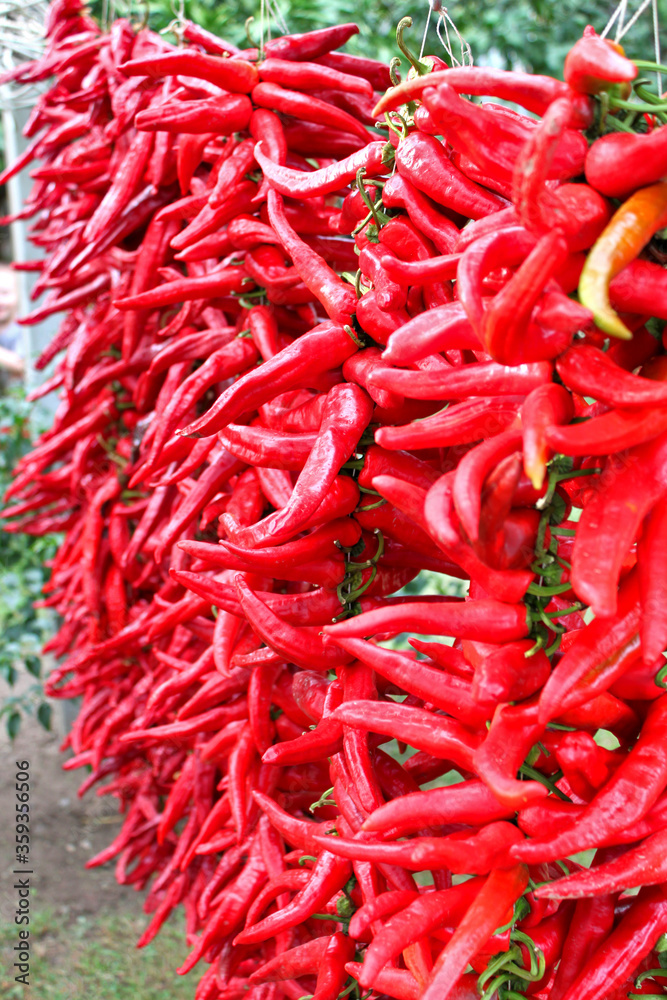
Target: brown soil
x=65 y=831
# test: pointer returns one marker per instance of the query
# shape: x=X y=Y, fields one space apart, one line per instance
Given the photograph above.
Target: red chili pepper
x=460 y=423
x=624 y=799
x=419 y=918
x=300 y=362
x=621 y=953
x=451 y=694
x=304 y=960
x=508 y=334
x=302 y=646
x=591 y=923
x=652 y=585
x=443 y=526
x=300 y=183
x=642 y=865
x=619 y=163
x=471 y=473
x=459 y=852
x=610 y=523
x=616 y=430
x=311 y=44
x=533 y=92
x=226 y=114
x=329 y=876
x=213 y=285
x=337 y=298
x=230 y=912
x=514 y=730
x=600 y=653
x=586 y=369
x=594 y=63
x=467 y=802
x=235 y=75
x=306 y=107
x=399 y=192
x=483 y=620
x=423 y=161
x=440 y=736
x=501 y=889
x=493 y=140
x=505 y=672
x=449 y=382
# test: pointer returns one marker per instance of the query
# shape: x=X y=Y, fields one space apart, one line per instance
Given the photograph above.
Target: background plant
x=23 y=573
x=534 y=34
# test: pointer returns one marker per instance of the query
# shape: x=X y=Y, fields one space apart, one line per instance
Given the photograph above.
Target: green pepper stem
x=419 y=67
x=394 y=67
x=530 y=772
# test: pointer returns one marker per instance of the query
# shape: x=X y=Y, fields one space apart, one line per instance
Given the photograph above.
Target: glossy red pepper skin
x=626 y=797
x=652 y=583
x=329 y=876
x=471 y=473
x=212 y=285
x=598 y=654
x=441 y=329
x=468 y=802
x=422 y=160
x=443 y=526
x=594 y=63
x=227 y=114
x=587 y=370
x=399 y=192
x=416 y=920
x=486 y=913
x=306 y=107
x=451 y=694
x=484 y=620
x=533 y=92
x=643 y=158
x=234 y=75
x=460 y=423
x=450 y=382
x=296 y=645
x=346 y=413
x=310 y=44
x=616 y=430
x=295 y=365
x=300 y=183
x=642 y=866
x=630 y=941
x=493 y=141
x=546 y=408
x=459 y=852
x=338 y=298
x=513 y=330
x=611 y=521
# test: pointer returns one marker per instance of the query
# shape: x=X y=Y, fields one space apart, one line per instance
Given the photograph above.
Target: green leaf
x=8 y=672
x=44 y=715
x=33 y=665
x=13 y=724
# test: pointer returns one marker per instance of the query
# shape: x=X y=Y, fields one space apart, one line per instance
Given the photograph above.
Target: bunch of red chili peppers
x=319 y=335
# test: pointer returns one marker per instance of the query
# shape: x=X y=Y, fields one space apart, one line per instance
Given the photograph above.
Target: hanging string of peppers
x=321 y=333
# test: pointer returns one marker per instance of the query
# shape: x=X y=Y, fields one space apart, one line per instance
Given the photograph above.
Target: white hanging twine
x=622 y=28
x=270 y=11
x=177 y=25
x=21 y=40
x=445 y=22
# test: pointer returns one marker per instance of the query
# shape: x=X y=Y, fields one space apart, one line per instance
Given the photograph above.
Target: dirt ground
x=65 y=831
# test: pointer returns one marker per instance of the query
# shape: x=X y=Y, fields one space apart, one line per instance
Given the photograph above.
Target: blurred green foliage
x=533 y=34
x=23 y=573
